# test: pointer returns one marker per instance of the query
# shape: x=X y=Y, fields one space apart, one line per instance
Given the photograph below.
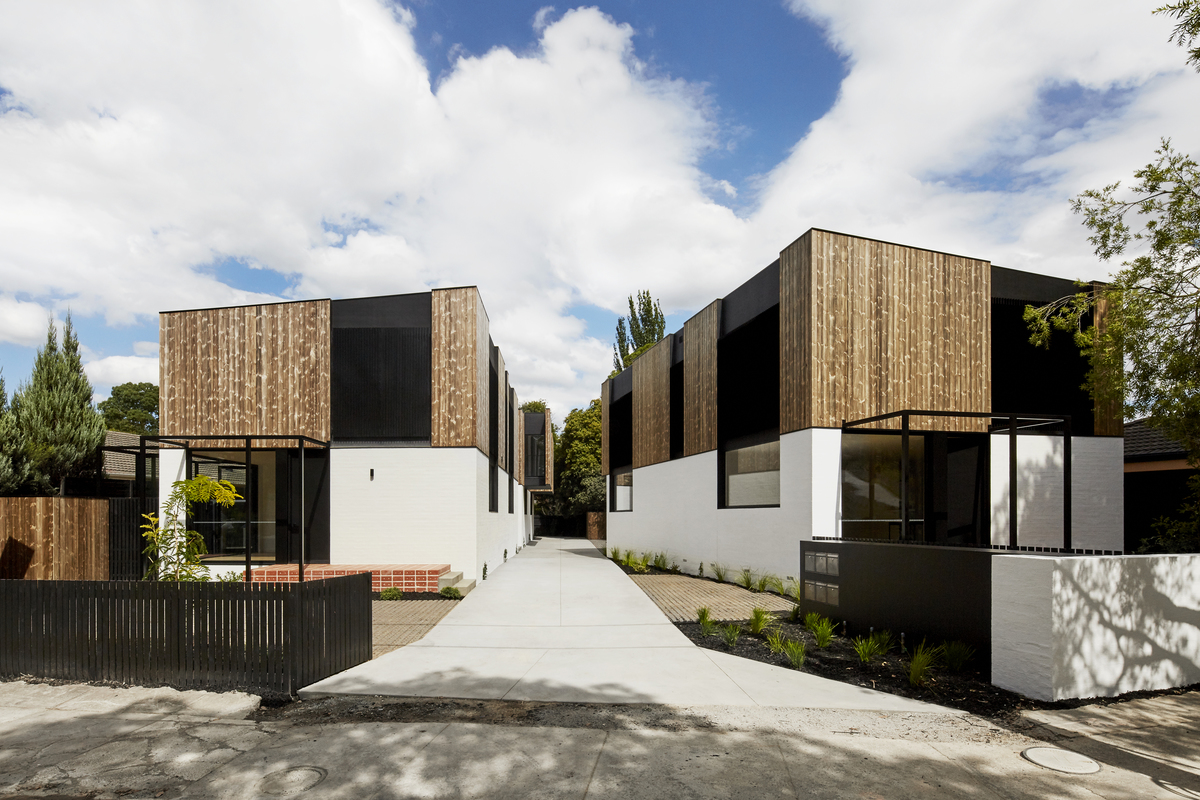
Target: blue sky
x=560 y=158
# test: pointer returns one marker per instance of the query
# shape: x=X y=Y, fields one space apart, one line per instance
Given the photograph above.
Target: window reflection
x=871 y=486
x=751 y=472
x=224 y=529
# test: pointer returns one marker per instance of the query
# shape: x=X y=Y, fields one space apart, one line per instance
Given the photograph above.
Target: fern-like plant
x=793 y=650
x=720 y=572
x=760 y=620
x=730 y=634
x=956 y=655
x=173 y=551
x=745 y=578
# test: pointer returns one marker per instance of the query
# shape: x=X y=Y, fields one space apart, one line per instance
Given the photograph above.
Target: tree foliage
x=1187 y=27
x=638 y=332
x=12 y=464
x=174 y=551
x=132 y=408
x=533 y=407
x=578 y=484
x=58 y=432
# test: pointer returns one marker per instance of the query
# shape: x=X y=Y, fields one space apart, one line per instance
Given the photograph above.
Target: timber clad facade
x=381 y=389
x=54 y=538
x=861 y=389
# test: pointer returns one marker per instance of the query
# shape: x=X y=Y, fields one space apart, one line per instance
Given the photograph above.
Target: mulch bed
x=417 y=596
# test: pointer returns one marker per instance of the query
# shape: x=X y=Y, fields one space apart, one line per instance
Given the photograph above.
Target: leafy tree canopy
x=12 y=471
x=534 y=407
x=636 y=333
x=133 y=408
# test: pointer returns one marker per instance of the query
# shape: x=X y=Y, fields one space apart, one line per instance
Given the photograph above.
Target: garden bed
x=419 y=596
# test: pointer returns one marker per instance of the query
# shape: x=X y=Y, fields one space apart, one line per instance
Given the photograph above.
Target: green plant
x=730 y=634
x=810 y=620
x=709 y=628
x=760 y=620
x=775 y=641
x=643 y=564
x=391 y=593
x=485 y=570
x=794 y=651
x=775 y=584
x=232 y=577
x=822 y=631
x=174 y=552
x=615 y=554
x=745 y=578
x=703 y=615
x=885 y=641
x=450 y=593
x=957 y=654
x=700 y=572
x=924 y=659
x=866 y=647
x=719 y=571
x=794 y=614
x=660 y=561
x=675 y=567
x=506 y=554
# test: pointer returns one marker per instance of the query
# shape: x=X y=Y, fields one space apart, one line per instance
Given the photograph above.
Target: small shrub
x=745 y=578
x=719 y=572
x=642 y=564
x=794 y=614
x=506 y=554
x=391 y=593
x=709 y=628
x=956 y=655
x=660 y=561
x=794 y=651
x=703 y=615
x=450 y=593
x=485 y=570
x=924 y=659
x=866 y=647
x=730 y=634
x=700 y=572
x=760 y=620
x=615 y=554
x=675 y=567
x=232 y=577
x=775 y=641
x=822 y=632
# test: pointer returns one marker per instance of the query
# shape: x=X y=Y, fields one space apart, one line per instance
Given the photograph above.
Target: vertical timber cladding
x=548 y=439
x=652 y=405
x=870 y=327
x=700 y=335
x=54 y=538
x=461 y=358
x=246 y=370
x=519 y=444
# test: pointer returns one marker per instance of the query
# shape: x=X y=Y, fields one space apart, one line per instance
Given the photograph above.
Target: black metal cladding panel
x=393 y=311
x=676 y=348
x=1013 y=284
x=380 y=382
x=535 y=423
x=752 y=298
x=622 y=385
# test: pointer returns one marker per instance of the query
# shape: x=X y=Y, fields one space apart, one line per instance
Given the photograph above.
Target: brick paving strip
x=395 y=623
x=680 y=595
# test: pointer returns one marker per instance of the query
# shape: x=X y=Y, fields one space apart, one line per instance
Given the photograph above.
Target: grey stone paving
x=395 y=623
x=678 y=596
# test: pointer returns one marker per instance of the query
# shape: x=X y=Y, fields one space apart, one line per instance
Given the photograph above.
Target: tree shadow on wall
x=15 y=559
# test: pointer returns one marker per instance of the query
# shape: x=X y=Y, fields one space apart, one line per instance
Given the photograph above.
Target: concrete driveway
x=561 y=623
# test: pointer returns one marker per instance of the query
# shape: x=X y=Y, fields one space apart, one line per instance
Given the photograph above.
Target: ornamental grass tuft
x=760 y=620
x=956 y=655
x=720 y=572
x=730 y=634
x=775 y=584
x=775 y=641
x=794 y=651
x=703 y=614
x=745 y=578
x=867 y=648
x=924 y=659
x=822 y=631
x=660 y=561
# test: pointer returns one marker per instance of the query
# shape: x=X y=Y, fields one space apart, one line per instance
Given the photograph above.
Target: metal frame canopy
x=1012 y=423
x=184 y=442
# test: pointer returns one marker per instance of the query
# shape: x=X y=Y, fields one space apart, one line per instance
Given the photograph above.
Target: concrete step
x=465 y=586
x=448 y=579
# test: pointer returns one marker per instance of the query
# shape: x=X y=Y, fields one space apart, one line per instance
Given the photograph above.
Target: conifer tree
x=61 y=427
x=12 y=472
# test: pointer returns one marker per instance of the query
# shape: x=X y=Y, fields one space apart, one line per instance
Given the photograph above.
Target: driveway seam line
x=599 y=752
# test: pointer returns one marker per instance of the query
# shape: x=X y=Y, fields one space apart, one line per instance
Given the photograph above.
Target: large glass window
x=535 y=456
x=224 y=529
x=621 y=490
x=871 y=486
x=752 y=472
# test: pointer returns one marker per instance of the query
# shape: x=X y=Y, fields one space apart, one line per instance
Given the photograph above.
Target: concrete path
x=561 y=623
x=83 y=741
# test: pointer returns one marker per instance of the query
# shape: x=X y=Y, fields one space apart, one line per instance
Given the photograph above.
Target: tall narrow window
x=621 y=490
x=871 y=507
x=493 y=435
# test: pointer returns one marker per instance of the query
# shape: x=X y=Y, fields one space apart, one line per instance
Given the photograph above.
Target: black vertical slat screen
x=380 y=384
x=272 y=638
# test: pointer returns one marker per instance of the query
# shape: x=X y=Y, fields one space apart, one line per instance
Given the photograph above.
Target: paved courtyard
x=678 y=596
x=561 y=623
x=395 y=623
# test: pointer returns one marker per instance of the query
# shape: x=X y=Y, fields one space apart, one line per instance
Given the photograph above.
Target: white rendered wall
x=1093 y=626
x=419 y=509
x=499 y=530
x=171 y=466
x=675 y=509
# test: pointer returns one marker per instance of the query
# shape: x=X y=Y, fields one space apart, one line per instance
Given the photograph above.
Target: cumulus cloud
x=140 y=144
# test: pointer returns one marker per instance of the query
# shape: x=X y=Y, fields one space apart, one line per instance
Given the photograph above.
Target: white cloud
x=113 y=370
x=144 y=142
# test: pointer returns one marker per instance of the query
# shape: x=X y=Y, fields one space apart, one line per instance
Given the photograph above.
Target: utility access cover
x=1061 y=760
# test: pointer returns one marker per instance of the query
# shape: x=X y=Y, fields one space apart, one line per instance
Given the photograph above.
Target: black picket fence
x=267 y=638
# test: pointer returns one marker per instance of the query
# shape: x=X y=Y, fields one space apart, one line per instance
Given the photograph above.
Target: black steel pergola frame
x=182 y=441
x=1013 y=424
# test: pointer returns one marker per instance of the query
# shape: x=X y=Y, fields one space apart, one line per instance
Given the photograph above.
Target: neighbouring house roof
x=120 y=466
x=1145 y=443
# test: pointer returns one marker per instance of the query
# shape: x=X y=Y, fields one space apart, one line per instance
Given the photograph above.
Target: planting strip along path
x=559 y=622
